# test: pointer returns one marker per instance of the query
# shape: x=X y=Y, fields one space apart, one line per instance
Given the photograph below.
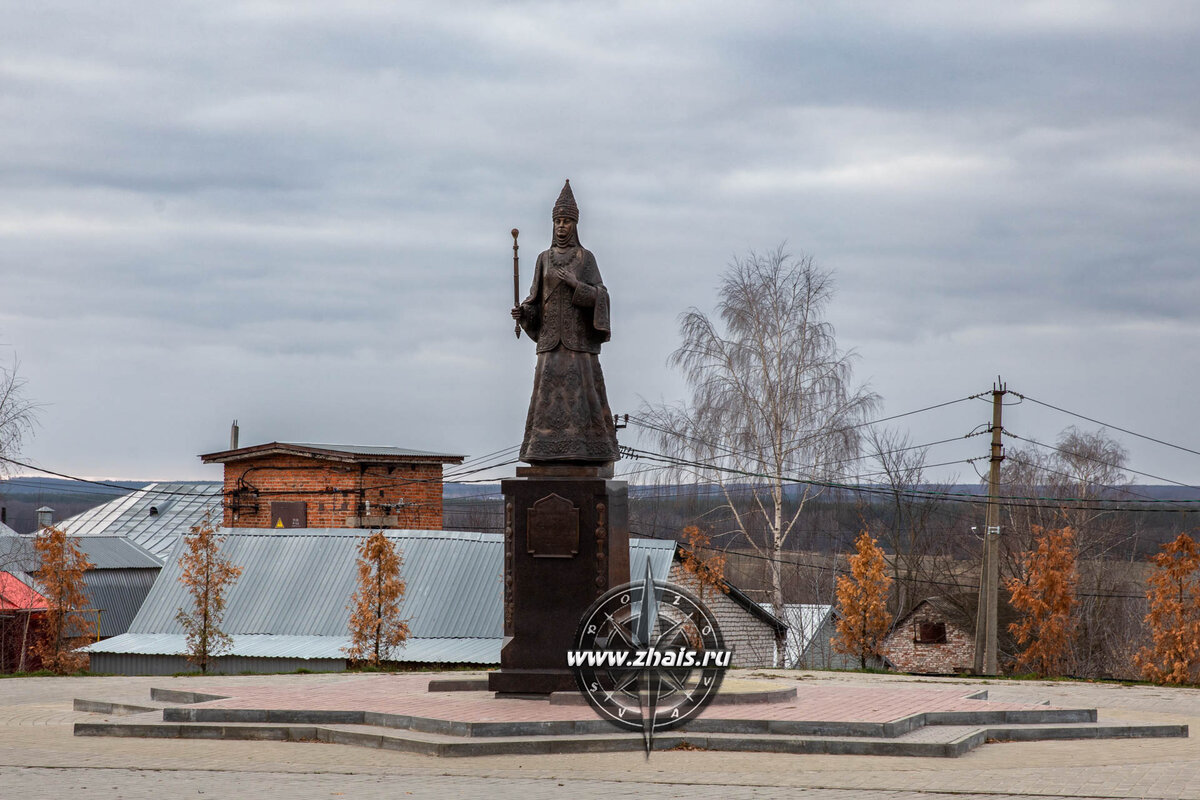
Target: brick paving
x=407 y=695
x=38 y=752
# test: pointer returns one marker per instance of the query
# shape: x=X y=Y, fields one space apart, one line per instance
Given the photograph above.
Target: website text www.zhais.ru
x=640 y=659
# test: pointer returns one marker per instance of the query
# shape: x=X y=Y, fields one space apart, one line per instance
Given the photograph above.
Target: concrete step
x=711 y=722
x=113 y=708
x=933 y=741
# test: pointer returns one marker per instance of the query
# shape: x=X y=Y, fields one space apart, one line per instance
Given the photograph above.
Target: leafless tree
x=18 y=415
x=916 y=525
x=1065 y=485
x=772 y=400
x=1081 y=469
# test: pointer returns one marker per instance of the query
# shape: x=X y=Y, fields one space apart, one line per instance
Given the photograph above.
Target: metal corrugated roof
x=435 y=650
x=118 y=594
x=804 y=621
x=17 y=555
x=299 y=584
x=325 y=450
x=115 y=552
x=371 y=450
x=121 y=576
x=104 y=552
x=15 y=593
x=177 y=507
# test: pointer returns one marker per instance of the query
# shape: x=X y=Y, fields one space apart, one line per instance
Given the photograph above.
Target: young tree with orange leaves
x=709 y=571
x=375 y=625
x=60 y=576
x=1044 y=594
x=208 y=576
x=862 y=602
x=1173 y=589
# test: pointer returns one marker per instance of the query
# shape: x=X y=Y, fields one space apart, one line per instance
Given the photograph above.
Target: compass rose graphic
x=649 y=656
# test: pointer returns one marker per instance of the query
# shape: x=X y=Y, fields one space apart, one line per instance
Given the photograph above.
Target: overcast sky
x=297 y=214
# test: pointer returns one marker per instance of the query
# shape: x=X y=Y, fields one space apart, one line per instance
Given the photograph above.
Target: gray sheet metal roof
x=333 y=451
x=104 y=552
x=119 y=594
x=17 y=555
x=177 y=508
x=804 y=621
x=114 y=552
x=449 y=651
x=121 y=576
x=372 y=450
x=299 y=584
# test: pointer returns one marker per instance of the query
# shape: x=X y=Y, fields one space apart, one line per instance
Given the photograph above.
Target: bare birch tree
x=18 y=415
x=772 y=401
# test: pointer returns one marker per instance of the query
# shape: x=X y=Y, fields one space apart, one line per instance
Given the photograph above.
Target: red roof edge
x=16 y=594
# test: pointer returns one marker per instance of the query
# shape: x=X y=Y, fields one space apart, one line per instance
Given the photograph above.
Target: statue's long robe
x=569 y=418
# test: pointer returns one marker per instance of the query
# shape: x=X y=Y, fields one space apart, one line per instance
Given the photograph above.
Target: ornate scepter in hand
x=516 y=283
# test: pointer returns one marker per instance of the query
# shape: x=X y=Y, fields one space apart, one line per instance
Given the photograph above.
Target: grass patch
x=45 y=673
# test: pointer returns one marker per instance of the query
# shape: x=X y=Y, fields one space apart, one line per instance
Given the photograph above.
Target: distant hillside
x=1136 y=492
x=21 y=497
x=468 y=490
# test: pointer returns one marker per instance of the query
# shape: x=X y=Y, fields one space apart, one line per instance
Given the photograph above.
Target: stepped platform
x=457 y=718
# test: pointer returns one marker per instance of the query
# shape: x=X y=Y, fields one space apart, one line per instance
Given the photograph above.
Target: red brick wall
x=333 y=492
x=955 y=655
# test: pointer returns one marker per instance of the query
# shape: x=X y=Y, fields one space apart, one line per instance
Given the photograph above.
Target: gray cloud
x=298 y=214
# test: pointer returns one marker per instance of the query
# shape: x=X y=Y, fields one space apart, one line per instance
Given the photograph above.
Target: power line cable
x=962 y=497
x=1106 y=424
x=1121 y=489
x=641 y=422
x=1101 y=462
x=846 y=571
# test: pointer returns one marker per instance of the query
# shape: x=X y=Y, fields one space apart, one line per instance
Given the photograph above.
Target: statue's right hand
x=516 y=313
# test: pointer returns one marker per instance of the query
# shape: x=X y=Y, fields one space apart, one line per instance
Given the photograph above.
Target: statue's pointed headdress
x=565 y=205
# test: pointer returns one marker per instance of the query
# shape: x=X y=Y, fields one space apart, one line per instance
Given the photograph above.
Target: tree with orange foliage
x=1044 y=594
x=1173 y=589
x=709 y=571
x=375 y=625
x=60 y=576
x=208 y=576
x=862 y=602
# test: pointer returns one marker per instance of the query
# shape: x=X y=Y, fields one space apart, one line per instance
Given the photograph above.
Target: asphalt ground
x=38 y=753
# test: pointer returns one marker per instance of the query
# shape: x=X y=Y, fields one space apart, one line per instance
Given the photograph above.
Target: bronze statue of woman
x=566 y=313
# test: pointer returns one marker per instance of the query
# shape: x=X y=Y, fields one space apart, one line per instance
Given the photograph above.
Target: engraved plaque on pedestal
x=566 y=540
x=553 y=528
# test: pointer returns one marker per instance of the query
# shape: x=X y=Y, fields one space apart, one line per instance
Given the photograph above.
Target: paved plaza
x=40 y=753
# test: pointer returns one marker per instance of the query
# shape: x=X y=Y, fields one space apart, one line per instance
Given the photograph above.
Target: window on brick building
x=928 y=632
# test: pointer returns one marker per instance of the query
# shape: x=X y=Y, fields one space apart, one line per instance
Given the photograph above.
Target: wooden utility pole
x=989 y=574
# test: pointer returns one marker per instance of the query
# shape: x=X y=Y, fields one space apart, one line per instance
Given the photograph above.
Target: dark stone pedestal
x=566 y=542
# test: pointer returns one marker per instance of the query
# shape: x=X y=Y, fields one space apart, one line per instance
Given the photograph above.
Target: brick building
x=938 y=636
x=298 y=485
